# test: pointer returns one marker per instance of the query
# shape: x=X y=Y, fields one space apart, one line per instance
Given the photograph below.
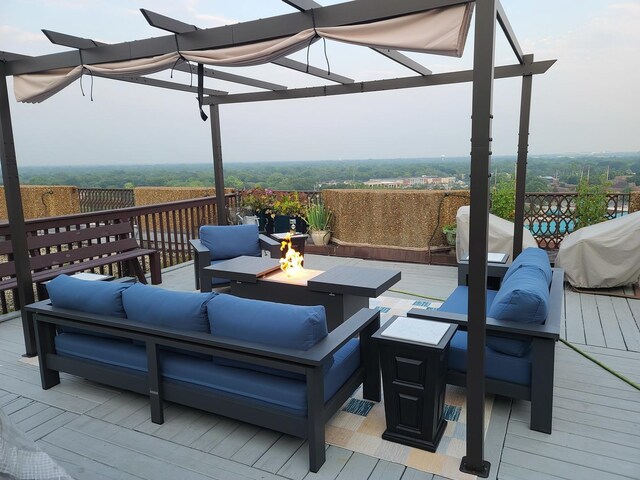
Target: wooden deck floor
x=97 y=432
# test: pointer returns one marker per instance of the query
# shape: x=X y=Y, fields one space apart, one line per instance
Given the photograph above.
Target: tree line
x=313 y=175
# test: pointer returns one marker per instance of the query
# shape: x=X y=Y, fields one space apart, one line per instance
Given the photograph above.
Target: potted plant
x=260 y=202
x=287 y=213
x=450 y=232
x=319 y=219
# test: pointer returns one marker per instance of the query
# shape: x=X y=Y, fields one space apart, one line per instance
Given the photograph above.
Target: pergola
x=428 y=26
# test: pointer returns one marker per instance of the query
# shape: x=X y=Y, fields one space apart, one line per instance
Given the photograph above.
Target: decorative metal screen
x=97 y=199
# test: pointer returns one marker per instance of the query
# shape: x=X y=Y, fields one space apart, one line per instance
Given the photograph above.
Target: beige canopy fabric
x=603 y=255
x=500 y=235
x=441 y=31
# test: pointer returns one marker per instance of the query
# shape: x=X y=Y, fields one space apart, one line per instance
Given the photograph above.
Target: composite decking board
x=629 y=406
x=592 y=327
x=216 y=434
x=610 y=326
x=279 y=453
x=194 y=430
x=256 y=446
x=619 y=392
x=16 y=405
x=119 y=407
x=297 y=466
x=621 y=365
x=359 y=467
x=413 y=474
x=125 y=458
x=592 y=349
x=30 y=410
x=589 y=445
x=551 y=466
x=628 y=326
x=48 y=426
x=140 y=420
x=185 y=421
x=149 y=446
x=336 y=460
x=496 y=431
x=84 y=468
x=235 y=441
x=597 y=462
x=515 y=472
x=387 y=471
x=573 y=317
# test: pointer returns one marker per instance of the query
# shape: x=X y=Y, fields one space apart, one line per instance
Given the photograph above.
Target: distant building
x=409 y=181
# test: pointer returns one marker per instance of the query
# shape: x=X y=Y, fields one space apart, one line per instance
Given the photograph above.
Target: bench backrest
x=60 y=248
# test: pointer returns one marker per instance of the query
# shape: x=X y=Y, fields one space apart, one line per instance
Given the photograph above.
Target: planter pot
x=320 y=237
x=283 y=223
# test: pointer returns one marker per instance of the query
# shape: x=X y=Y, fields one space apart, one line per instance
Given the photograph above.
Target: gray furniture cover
x=603 y=255
x=500 y=235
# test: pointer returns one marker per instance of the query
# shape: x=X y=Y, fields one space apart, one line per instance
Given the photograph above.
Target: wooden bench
x=80 y=250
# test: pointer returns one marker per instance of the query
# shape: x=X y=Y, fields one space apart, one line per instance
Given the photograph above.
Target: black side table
x=414 y=384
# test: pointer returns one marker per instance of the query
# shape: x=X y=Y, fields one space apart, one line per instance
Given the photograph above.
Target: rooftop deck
x=97 y=432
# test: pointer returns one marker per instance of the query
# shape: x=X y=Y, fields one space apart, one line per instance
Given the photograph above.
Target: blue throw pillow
x=276 y=324
x=231 y=241
x=167 y=308
x=531 y=257
x=523 y=297
x=104 y=298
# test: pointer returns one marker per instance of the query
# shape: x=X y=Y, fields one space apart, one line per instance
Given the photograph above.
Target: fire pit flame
x=291 y=264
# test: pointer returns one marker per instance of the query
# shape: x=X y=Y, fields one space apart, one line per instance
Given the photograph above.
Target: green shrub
x=591 y=203
x=503 y=199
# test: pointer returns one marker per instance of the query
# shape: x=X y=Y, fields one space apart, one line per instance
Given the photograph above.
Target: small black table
x=414 y=385
x=298 y=241
x=342 y=290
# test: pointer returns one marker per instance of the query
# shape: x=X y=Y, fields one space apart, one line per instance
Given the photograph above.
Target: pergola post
x=15 y=213
x=523 y=146
x=216 y=141
x=481 y=118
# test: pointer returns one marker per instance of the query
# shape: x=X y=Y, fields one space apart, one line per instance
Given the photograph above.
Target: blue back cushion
x=104 y=298
x=276 y=324
x=231 y=241
x=531 y=257
x=523 y=297
x=167 y=308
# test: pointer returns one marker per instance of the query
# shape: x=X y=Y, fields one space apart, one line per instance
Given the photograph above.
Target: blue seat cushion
x=286 y=394
x=531 y=257
x=230 y=241
x=457 y=303
x=167 y=308
x=103 y=298
x=499 y=366
x=276 y=324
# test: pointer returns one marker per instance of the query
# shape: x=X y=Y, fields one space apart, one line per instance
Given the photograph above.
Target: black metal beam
x=13 y=199
x=218 y=172
x=481 y=119
x=508 y=32
x=348 y=13
x=521 y=170
x=166 y=23
x=230 y=77
x=305 y=5
x=65 y=40
x=154 y=82
x=505 y=71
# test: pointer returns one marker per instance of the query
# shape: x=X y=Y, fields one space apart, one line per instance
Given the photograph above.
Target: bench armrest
x=494 y=270
x=270 y=245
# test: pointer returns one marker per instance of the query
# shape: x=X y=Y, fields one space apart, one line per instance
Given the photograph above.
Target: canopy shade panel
x=440 y=31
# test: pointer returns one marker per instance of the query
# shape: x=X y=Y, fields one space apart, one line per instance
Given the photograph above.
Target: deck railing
x=166 y=227
x=550 y=216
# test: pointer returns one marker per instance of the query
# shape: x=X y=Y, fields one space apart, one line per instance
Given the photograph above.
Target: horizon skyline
x=576 y=108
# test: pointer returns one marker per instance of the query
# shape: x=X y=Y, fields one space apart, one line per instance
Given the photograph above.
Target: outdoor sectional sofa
x=523 y=325
x=269 y=364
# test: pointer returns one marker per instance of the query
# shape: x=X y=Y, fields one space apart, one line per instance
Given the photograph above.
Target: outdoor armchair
x=219 y=243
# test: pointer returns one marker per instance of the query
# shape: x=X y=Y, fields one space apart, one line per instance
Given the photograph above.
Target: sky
x=588 y=102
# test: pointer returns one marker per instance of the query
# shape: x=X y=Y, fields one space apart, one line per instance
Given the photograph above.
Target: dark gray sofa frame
x=543 y=337
x=202 y=258
x=308 y=363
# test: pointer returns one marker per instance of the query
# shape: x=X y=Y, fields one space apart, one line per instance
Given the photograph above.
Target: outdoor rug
x=359 y=425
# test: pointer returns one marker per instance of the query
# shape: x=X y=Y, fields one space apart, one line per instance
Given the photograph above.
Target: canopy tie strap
x=324 y=42
x=81 y=75
x=181 y=59
x=203 y=115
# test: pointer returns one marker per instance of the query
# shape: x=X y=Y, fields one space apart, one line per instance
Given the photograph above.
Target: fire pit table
x=343 y=290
